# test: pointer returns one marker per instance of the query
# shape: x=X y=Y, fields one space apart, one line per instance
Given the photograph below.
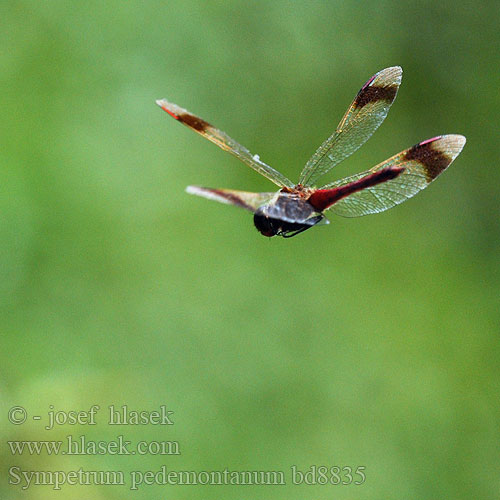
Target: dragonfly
x=295 y=208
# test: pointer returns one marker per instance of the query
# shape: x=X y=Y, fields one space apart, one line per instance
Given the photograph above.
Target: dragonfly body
x=293 y=211
x=298 y=207
x=288 y=214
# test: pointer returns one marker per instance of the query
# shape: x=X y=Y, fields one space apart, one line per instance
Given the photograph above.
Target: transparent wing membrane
x=366 y=112
x=225 y=142
x=422 y=164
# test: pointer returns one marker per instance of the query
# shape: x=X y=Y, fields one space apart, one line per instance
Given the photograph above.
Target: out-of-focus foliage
x=370 y=342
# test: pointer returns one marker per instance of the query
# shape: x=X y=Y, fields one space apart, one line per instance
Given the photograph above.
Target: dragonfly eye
x=265 y=225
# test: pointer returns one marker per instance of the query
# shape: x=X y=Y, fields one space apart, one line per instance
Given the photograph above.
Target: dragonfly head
x=267 y=226
x=270 y=226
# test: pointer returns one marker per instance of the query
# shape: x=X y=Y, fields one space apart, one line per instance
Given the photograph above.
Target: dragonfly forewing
x=365 y=114
x=225 y=142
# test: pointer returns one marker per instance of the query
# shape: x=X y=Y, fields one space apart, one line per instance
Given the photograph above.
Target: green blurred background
x=370 y=342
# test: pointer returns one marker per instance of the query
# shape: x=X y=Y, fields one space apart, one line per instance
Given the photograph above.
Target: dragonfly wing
x=243 y=199
x=366 y=112
x=322 y=199
x=225 y=142
x=421 y=164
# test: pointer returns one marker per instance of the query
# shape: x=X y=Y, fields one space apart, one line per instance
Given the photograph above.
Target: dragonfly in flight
x=297 y=207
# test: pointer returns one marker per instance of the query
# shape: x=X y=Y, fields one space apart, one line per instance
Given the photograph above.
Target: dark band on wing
x=194 y=122
x=324 y=198
x=433 y=160
x=232 y=198
x=188 y=119
x=374 y=94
